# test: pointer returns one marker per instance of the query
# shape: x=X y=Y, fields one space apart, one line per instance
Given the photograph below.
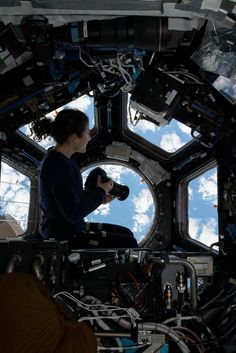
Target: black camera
x=120 y=191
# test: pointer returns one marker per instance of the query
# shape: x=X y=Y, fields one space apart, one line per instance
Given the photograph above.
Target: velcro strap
x=74 y=32
x=93 y=242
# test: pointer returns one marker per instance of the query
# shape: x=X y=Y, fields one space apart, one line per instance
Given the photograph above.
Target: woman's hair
x=66 y=123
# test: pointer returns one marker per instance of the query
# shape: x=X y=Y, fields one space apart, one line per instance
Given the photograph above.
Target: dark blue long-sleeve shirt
x=63 y=201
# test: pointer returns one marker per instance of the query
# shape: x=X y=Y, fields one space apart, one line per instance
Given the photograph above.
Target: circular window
x=136 y=212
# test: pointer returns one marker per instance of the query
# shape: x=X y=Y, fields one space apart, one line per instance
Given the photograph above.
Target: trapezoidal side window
x=170 y=137
x=202 y=207
x=15 y=200
x=84 y=103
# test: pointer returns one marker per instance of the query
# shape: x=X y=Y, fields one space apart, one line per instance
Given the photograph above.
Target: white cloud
x=171 y=142
x=194 y=227
x=203 y=231
x=208 y=187
x=225 y=85
x=140 y=221
x=26 y=130
x=103 y=210
x=48 y=142
x=190 y=192
x=140 y=237
x=209 y=232
x=144 y=126
x=15 y=195
x=184 y=128
x=81 y=103
x=142 y=202
x=115 y=172
x=11 y=176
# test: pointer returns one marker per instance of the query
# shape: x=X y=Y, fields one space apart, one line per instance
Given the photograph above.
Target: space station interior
x=165 y=60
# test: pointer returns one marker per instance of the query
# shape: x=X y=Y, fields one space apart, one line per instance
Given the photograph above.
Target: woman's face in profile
x=83 y=140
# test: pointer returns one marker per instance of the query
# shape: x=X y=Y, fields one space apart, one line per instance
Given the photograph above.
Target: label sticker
x=171 y=96
x=213 y=5
x=85 y=29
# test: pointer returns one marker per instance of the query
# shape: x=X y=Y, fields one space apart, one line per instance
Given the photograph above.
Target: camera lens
x=120 y=191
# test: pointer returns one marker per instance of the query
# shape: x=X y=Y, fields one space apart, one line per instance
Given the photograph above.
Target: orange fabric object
x=30 y=322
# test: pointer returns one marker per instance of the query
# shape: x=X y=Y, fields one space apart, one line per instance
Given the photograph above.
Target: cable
x=187 y=74
x=83 y=61
x=102 y=323
x=86 y=318
x=189 y=339
x=138 y=299
x=117 y=67
x=197 y=318
x=166 y=330
x=181 y=328
x=95 y=308
x=101 y=348
x=131 y=313
x=188 y=330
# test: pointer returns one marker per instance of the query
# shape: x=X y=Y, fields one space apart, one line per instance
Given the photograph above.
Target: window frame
x=112 y=161
x=138 y=140
x=182 y=202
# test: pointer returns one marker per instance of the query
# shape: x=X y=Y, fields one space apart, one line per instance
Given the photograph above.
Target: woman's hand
x=108 y=198
x=107 y=186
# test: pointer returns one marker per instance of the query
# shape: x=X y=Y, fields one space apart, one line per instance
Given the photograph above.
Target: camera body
x=118 y=190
